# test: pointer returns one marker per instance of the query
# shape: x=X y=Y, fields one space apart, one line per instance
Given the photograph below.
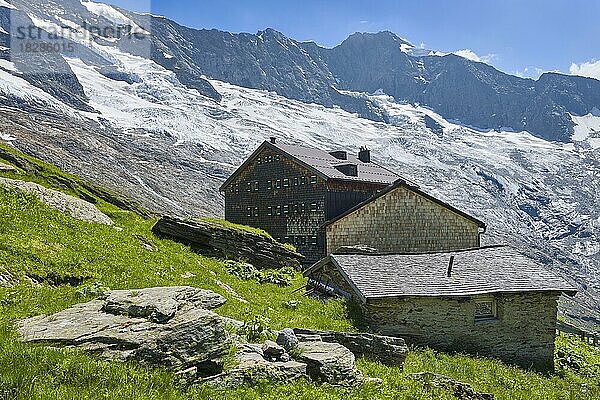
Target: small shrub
x=91 y=290
x=257 y=329
x=242 y=270
x=291 y=304
x=246 y=271
x=281 y=277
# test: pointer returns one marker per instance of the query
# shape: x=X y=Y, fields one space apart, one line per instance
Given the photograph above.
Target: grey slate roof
x=478 y=271
x=325 y=163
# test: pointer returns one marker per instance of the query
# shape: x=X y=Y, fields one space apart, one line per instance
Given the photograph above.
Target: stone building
x=290 y=191
x=489 y=301
x=401 y=219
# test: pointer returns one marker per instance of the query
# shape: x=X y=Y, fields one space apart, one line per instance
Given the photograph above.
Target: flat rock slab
x=330 y=362
x=214 y=240
x=163 y=326
x=388 y=350
x=76 y=208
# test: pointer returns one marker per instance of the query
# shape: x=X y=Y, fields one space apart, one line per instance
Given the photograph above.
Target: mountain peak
x=382 y=37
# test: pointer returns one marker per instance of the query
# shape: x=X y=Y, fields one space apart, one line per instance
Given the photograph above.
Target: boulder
x=273 y=352
x=388 y=350
x=287 y=339
x=75 y=207
x=215 y=240
x=330 y=363
x=253 y=367
x=163 y=326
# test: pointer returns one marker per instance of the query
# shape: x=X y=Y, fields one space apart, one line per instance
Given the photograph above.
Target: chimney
x=364 y=154
x=450 y=265
x=273 y=139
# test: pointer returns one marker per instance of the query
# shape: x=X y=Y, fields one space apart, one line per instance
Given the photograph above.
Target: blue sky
x=519 y=37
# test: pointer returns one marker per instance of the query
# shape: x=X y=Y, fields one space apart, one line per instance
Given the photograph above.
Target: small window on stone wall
x=485 y=309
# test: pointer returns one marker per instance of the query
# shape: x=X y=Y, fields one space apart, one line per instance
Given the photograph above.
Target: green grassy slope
x=52 y=247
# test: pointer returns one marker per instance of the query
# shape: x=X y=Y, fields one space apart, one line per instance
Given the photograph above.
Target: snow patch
x=5 y=4
x=113 y=15
x=8 y=65
x=587 y=128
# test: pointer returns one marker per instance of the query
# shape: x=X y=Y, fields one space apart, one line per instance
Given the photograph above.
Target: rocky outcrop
x=7 y=168
x=385 y=349
x=220 y=241
x=330 y=363
x=254 y=366
x=77 y=208
x=462 y=391
x=170 y=326
x=6 y=278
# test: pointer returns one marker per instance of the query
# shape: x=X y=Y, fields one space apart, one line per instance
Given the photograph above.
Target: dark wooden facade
x=275 y=192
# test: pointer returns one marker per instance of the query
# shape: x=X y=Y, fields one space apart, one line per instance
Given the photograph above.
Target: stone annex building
x=294 y=192
x=489 y=301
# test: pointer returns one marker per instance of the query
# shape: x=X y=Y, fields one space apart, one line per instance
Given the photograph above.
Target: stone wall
x=523 y=332
x=403 y=221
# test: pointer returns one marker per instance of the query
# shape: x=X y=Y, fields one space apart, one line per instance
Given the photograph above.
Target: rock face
x=462 y=391
x=215 y=240
x=168 y=326
x=7 y=168
x=330 y=363
x=77 y=208
x=385 y=349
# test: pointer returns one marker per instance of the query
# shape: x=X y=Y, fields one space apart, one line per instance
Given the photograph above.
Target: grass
x=36 y=240
x=237 y=227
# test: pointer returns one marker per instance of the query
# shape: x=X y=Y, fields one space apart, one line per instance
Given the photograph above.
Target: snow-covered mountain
x=164 y=134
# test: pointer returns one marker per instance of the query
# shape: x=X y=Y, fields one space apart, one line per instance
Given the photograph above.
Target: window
x=296 y=181
x=314 y=207
x=269 y=211
x=485 y=309
x=278 y=210
x=252 y=211
x=248 y=211
x=249 y=187
x=286 y=182
x=286 y=209
x=277 y=157
x=236 y=188
x=313 y=179
x=303 y=180
x=296 y=208
x=259 y=160
x=278 y=184
x=303 y=208
x=269 y=185
x=313 y=240
x=255 y=186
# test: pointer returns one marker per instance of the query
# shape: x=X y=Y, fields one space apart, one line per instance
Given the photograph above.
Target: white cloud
x=471 y=55
x=533 y=72
x=590 y=69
